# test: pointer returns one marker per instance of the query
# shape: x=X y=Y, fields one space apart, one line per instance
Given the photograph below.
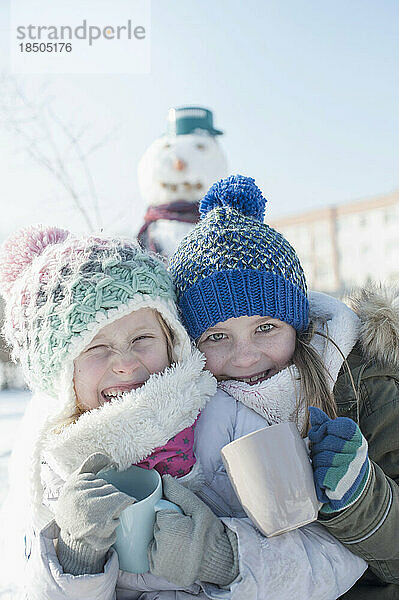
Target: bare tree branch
x=49 y=142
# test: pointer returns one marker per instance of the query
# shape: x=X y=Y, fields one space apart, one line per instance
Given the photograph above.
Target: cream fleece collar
x=130 y=429
x=276 y=398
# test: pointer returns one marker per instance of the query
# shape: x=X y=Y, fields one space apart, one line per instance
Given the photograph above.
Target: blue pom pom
x=238 y=192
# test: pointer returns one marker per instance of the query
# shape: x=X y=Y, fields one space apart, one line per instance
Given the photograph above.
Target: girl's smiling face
x=249 y=349
x=120 y=358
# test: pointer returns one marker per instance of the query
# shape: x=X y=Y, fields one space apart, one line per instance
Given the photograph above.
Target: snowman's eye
x=166 y=146
x=200 y=146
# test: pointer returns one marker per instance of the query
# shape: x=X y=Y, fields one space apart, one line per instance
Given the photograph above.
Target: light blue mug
x=136 y=522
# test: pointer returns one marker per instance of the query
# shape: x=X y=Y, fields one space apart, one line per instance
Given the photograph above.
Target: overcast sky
x=306 y=91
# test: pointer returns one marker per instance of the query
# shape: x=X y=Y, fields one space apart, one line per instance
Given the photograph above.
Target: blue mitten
x=340 y=460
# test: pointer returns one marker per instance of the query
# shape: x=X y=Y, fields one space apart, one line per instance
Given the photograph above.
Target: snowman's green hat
x=191 y=119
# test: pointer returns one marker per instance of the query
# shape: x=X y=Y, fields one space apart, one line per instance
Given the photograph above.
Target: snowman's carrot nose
x=179 y=165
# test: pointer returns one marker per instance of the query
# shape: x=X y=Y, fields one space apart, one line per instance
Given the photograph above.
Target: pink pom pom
x=20 y=249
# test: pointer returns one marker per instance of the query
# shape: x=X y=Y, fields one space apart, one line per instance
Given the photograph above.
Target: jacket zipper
x=211 y=502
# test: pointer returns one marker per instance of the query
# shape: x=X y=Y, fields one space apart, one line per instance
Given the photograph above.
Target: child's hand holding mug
x=340 y=461
x=192 y=546
x=87 y=512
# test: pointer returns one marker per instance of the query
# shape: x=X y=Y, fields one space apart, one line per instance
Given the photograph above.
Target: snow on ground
x=12 y=407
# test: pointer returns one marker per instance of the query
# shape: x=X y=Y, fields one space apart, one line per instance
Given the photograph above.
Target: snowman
x=174 y=174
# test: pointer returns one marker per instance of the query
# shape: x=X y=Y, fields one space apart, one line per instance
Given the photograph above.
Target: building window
x=389 y=215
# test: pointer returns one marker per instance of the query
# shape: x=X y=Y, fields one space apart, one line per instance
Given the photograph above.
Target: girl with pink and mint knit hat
x=70 y=305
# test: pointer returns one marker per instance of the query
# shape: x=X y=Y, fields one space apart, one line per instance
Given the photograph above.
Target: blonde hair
x=166 y=330
x=168 y=333
x=314 y=385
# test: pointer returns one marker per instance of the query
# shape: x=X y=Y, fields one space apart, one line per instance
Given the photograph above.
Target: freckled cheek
x=283 y=356
x=215 y=361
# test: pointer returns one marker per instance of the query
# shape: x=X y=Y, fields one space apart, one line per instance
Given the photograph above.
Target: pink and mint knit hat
x=232 y=264
x=60 y=290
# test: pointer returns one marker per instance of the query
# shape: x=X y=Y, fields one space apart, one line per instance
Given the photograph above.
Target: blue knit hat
x=232 y=264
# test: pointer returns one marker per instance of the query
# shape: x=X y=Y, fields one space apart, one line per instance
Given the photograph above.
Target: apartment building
x=345 y=246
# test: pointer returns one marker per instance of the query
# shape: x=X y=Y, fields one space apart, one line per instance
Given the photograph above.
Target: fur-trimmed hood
x=378 y=310
x=128 y=430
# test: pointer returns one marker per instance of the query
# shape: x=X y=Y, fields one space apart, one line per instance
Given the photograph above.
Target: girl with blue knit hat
x=287 y=355
x=116 y=382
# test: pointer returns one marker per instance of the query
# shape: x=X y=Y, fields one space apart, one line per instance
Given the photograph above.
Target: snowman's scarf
x=180 y=210
x=276 y=399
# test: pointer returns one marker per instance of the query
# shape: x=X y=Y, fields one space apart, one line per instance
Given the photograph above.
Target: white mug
x=271 y=473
